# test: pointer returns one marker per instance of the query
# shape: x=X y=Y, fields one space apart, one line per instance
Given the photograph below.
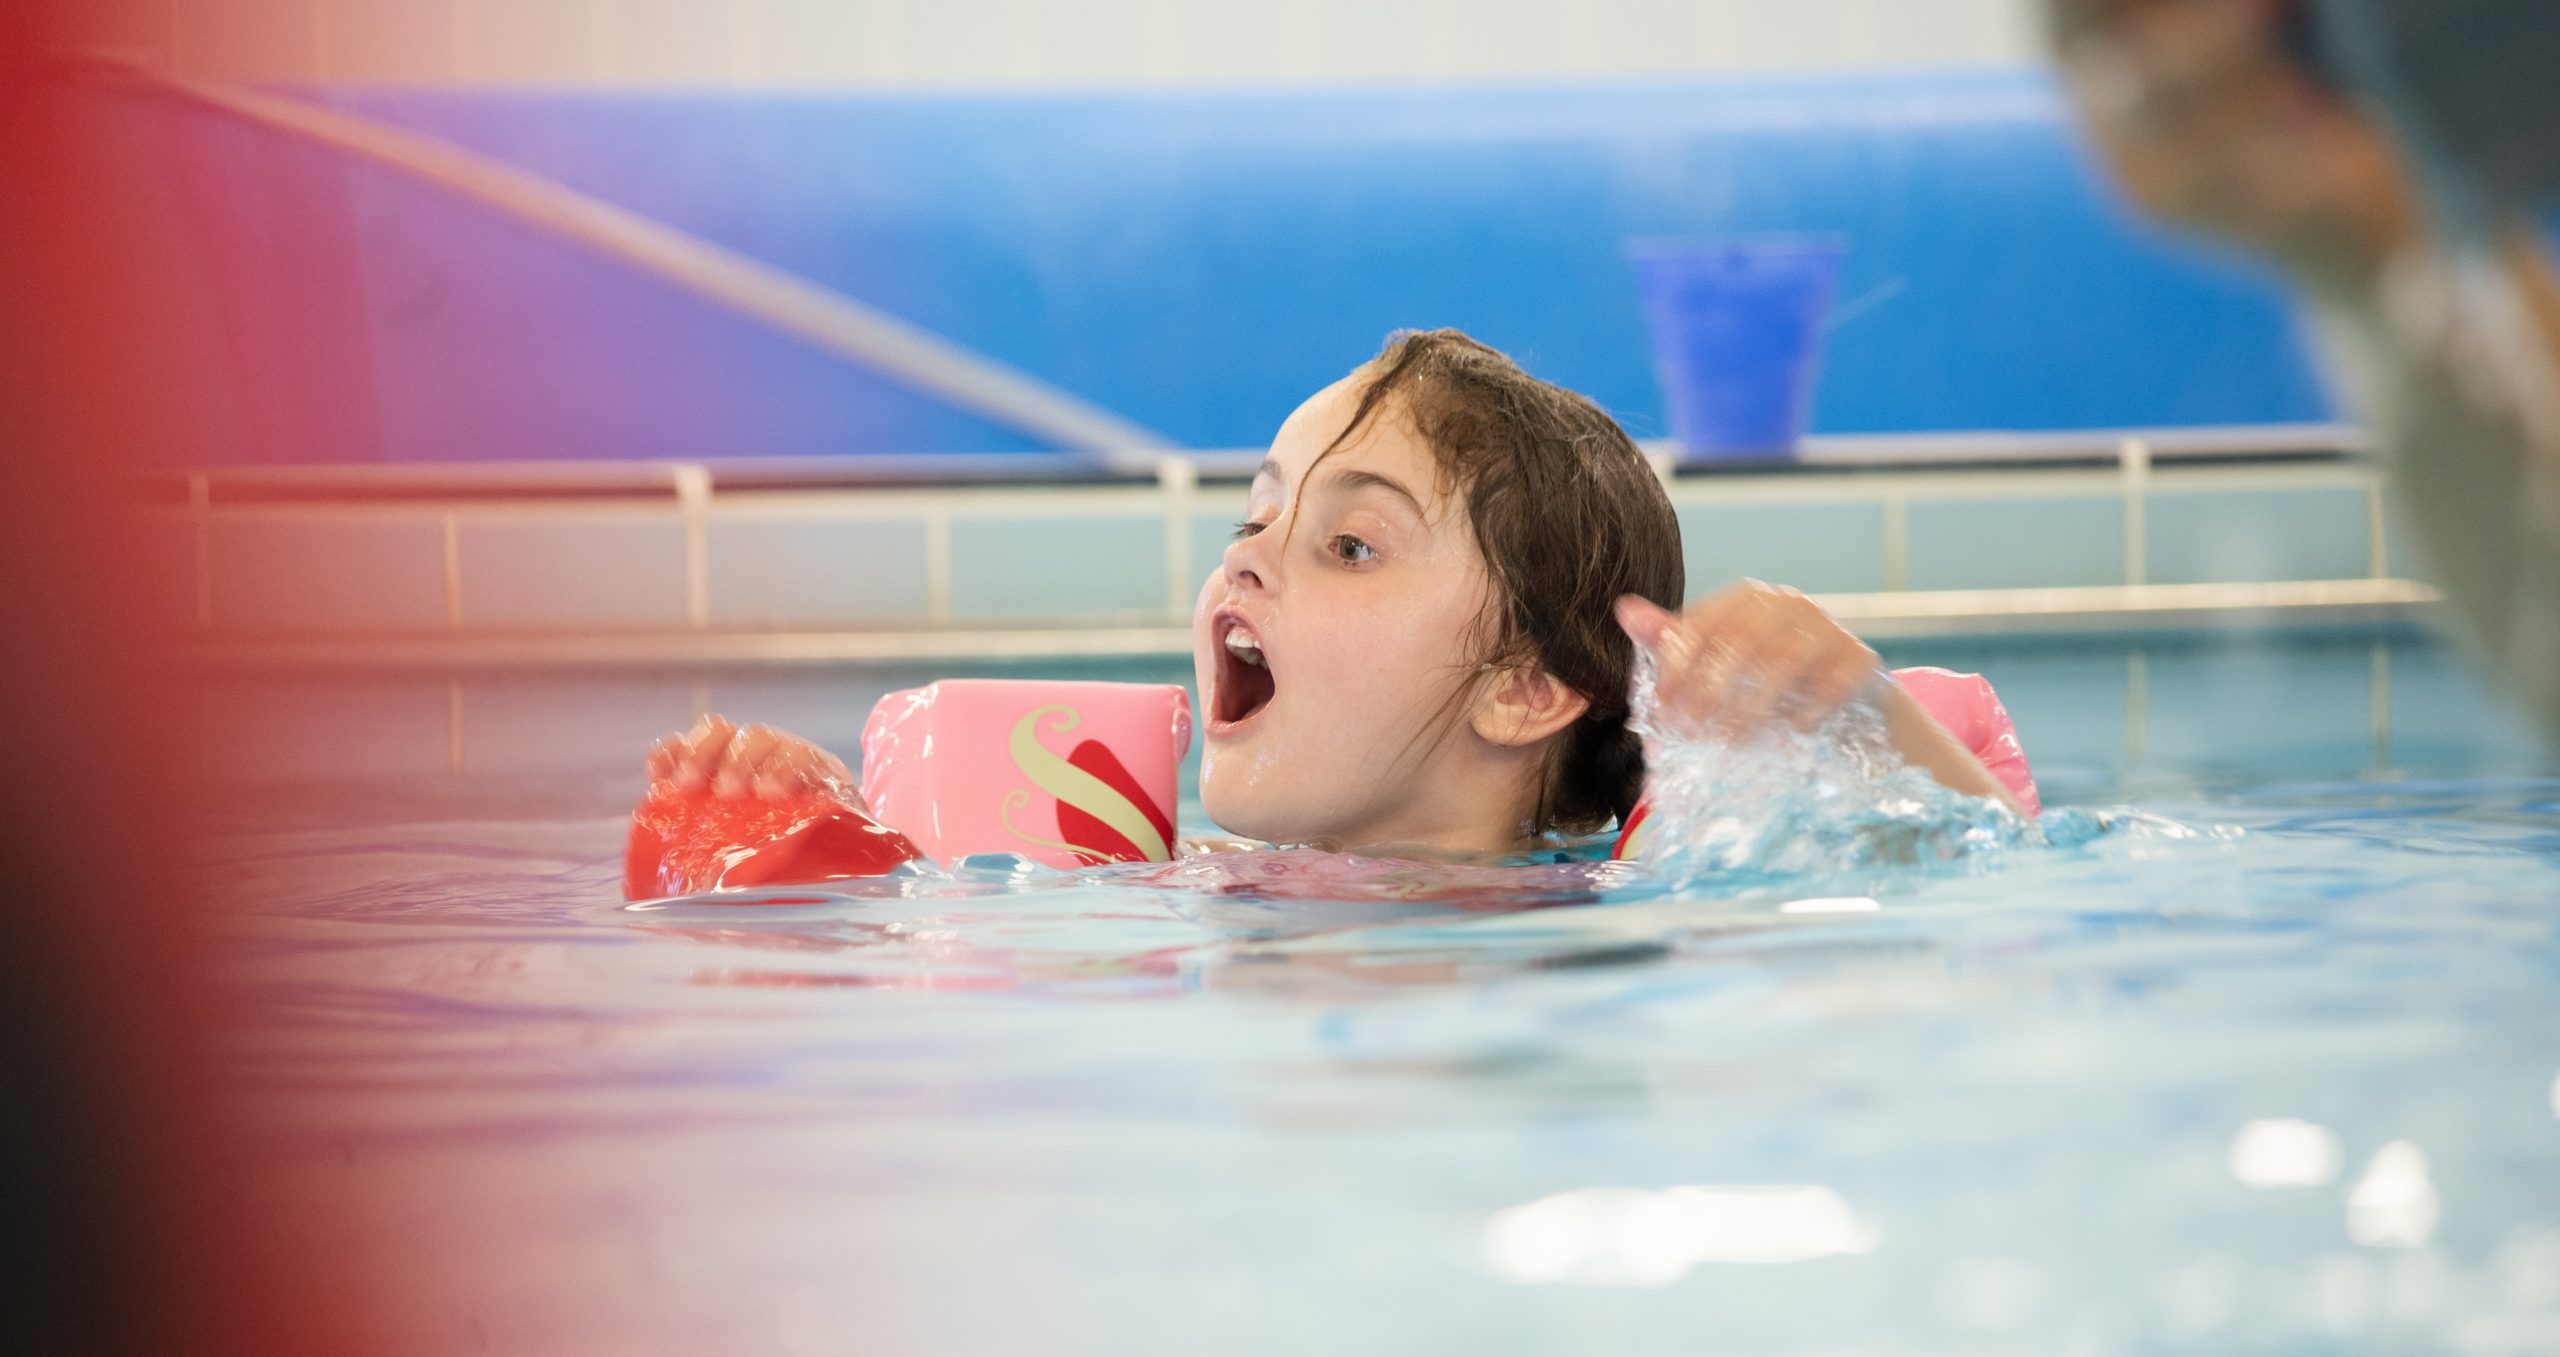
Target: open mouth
x=1244 y=676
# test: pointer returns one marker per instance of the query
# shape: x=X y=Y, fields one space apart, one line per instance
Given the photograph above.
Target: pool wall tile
x=1057 y=570
x=584 y=570
x=781 y=572
x=2014 y=543
x=1819 y=548
x=2067 y=701
x=2254 y=536
x=345 y=574
x=2407 y=561
x=2444 y=711
x=2306 y=709
x=601 y=723
x=1212 y=528
x=827 y=708
x=287 y=730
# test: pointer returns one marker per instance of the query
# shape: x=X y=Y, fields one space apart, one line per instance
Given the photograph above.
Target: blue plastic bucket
x=1737 y=337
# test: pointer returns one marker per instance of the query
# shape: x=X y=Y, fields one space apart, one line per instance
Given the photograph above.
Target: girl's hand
x=741 y=761
x=1748 y=655
x=1756 y=653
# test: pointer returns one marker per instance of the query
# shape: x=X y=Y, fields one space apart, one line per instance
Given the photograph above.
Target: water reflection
x=1616 y=1236
x=2394 y=1203
x=2285 y=1152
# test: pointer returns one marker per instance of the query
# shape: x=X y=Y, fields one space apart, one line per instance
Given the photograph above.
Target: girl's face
x=1334 y=638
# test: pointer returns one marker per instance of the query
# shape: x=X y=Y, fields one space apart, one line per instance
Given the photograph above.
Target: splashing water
x=1833 y=802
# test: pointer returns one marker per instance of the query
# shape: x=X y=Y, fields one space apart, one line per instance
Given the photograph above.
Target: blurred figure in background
x=2391 y=157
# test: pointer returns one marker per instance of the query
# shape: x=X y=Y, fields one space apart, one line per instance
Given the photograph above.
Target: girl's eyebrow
x=1347 y=479
x=1350 y=479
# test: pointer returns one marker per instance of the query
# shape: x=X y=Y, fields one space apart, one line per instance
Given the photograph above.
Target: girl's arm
x=1756 y=653
x=1932 y=748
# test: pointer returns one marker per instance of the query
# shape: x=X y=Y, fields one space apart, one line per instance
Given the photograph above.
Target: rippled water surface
x=2292 y=1089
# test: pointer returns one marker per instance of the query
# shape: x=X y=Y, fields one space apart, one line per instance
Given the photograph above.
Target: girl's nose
x=1247 y=562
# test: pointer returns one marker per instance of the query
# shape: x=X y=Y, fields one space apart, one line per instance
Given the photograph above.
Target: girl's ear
x=1523 y=704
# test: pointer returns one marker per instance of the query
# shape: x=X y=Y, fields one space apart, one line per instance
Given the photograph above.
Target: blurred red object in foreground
x=144 y=1204
x=690 y=842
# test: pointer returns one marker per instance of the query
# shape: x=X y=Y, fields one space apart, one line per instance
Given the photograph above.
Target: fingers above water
x=1749 y=654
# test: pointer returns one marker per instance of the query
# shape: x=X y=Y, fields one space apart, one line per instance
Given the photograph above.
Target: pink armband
x=1068 y=774
x=1971 y=711
x=1964 y=703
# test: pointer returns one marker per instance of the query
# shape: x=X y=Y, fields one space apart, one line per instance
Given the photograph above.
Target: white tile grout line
x=937 y=566
x=2378 y=543
x=693 y=500
x=1177 y=479
x=453 y=570
x=2136 y=464
x=1897 y=541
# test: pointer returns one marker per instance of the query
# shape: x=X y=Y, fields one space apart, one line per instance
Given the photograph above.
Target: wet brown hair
x=1569 y=518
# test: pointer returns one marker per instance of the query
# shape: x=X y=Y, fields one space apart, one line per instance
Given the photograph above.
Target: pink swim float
x=1966 y=706
x=1963 y=703
x=1068 y=774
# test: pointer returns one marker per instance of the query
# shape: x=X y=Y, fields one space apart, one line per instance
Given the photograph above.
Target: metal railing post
x=1897 y=541
x=1177 y=479
x=693 y=500
x=2135 y=459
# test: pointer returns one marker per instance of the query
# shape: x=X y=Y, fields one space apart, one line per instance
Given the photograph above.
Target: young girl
x=1420 y=640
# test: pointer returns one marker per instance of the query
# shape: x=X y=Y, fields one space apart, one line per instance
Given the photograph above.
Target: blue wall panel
x=1203 y=261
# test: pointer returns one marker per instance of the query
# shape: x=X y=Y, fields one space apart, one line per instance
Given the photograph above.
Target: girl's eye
x=1353 y=551
x=1248 y=528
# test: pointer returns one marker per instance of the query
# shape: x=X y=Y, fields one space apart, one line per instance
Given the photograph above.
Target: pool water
x=2281 y=1074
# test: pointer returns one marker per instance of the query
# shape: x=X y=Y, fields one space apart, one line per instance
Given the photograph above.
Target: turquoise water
x=2288 y=1083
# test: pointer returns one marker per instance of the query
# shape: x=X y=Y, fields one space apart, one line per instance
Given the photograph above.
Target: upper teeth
x=1244 y=647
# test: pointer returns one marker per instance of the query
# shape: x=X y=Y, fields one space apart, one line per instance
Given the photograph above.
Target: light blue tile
x=1819 y=548
x=2067 y=701
x=573 y=571
x=2445 y=714
x=336 y=575
x=2403 y=556
x=1058 y=569
x=2301 y=708
x=801 y=573
x=826 y=708
x=2015 y=543
x=1211 y=533
x=2251 y=536
x=286 y=731
x=601 y=724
